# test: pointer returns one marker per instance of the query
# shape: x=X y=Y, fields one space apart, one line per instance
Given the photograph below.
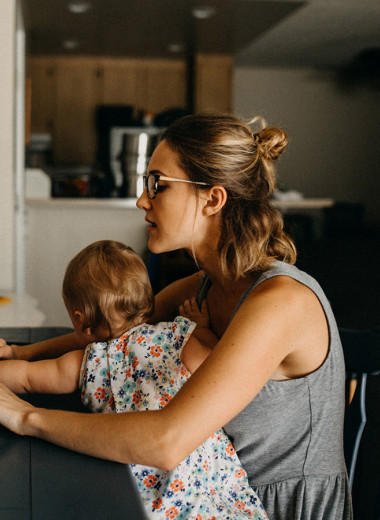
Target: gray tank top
x=290 y=437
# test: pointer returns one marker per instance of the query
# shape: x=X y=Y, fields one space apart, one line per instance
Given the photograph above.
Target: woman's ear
x=215 y=199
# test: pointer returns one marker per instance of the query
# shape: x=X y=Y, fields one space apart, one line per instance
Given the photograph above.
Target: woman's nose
x=143 y=202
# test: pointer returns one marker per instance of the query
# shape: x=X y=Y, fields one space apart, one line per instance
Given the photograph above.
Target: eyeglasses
x=152 y=179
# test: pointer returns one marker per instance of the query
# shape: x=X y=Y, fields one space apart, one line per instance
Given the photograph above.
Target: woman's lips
x=151 y=225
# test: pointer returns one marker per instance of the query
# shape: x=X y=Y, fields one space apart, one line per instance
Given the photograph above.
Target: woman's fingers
x=12 y=410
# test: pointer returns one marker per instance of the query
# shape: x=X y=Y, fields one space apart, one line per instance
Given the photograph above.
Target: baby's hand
x=6 y=351
x=190 y=310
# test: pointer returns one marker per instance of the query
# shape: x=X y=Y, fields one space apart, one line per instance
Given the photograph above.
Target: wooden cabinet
x=165 y=85
x=64 y=94
x=152 y=85
x=122 y=82
x=78 y=92
x=42 y=76
x=213 y=83
x=67 y=91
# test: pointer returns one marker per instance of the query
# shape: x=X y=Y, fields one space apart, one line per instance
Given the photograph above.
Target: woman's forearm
x=50 y=348
x=125 y=437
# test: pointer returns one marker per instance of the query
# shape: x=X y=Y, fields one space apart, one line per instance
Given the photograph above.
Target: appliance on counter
x=38 y=152
x=126 y=138
x=107 y=117
x=73 y=181
x=130 y=152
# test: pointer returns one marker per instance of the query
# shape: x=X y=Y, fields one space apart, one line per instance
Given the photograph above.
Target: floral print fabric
x=142 y=370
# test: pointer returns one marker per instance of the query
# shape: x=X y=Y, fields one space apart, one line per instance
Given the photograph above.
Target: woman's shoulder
x=288 y=288
x=283 y=290
x=296 y=317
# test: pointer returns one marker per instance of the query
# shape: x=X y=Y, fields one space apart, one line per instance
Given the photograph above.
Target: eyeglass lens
x=151 y=185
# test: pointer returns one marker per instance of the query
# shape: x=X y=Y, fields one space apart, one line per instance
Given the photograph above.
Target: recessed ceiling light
x=79 y=7
x=70 y=44
x=203 y=12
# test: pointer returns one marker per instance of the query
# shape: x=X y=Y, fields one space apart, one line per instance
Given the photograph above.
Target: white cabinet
x=56 y=229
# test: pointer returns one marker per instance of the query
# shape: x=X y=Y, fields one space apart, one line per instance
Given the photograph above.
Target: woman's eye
x=160 y=188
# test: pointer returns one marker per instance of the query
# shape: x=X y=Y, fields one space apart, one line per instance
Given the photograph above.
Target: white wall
x=334 y=134
x=57 y=230
x=7 y=142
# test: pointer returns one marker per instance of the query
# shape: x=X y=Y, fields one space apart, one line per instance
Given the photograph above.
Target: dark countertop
x=41 y=481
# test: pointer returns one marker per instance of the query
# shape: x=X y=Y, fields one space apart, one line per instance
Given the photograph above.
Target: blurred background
x=87 y=86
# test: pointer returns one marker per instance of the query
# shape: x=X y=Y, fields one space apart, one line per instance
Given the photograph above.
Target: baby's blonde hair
x=109 y=284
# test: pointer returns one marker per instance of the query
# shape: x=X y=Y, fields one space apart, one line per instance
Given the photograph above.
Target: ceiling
x=270 y=33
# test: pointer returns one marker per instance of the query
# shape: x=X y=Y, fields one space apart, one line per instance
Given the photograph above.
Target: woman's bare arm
x=279 y=321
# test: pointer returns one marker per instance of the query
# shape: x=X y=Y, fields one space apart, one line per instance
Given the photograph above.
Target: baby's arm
x=202 y=340
x=201 y=317
x=6 y=351
x=50 y=376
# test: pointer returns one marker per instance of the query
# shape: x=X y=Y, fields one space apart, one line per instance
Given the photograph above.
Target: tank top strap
x=205 y=284
x=203 y=288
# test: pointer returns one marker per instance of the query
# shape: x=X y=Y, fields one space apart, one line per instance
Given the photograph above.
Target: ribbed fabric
x=290 y=437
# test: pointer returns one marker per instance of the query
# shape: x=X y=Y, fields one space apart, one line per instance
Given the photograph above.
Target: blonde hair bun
x=271 y=141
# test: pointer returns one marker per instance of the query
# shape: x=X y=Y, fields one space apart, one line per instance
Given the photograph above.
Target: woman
x=275 y=380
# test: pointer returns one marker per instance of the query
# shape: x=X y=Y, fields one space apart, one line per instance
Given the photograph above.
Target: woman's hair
x=222 y=150
x=108 y=282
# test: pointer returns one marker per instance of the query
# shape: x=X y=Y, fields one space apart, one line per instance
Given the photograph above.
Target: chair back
x=362 y=419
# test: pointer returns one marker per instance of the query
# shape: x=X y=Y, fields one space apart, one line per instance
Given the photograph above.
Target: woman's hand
x=189 y=309
x=6 y=351
x=13 y=410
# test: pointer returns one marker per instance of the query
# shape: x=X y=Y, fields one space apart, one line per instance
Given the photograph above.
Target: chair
x=362 y=420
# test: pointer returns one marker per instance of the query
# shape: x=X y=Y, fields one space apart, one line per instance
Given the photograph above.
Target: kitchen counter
x=58 y=228
x=21 y=311
x=313 y=205
x=82 y=202
x=303 y=204
x=41 y=481
x=130 y=203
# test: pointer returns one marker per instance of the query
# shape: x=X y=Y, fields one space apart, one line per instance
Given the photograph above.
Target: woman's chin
x=157 y=247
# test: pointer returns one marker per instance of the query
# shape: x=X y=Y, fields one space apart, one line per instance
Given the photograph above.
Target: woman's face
x=174 y=215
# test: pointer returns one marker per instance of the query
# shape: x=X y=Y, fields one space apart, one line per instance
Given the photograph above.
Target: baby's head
x=106 y=286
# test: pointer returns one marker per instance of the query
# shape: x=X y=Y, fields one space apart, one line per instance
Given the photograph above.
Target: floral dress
x=142 y=370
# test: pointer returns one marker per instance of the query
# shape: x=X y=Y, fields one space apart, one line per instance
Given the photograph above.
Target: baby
x=131 y=365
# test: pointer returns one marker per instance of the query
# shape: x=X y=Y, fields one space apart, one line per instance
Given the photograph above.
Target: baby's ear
x=79 y=318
